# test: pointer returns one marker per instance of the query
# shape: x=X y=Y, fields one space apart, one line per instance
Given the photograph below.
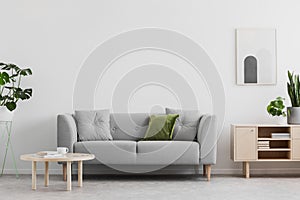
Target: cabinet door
x=296 y=133
x=296 y=149
x=245 y=143
x=295 y=143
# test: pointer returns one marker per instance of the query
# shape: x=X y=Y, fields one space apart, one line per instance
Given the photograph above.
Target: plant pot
x=6 y=115
x=293 y=115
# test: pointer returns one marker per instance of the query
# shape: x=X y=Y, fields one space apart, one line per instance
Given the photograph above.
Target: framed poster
x=256 y=57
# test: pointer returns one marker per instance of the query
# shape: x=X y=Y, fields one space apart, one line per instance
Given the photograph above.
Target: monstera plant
x=276 y=107
x=10 y=85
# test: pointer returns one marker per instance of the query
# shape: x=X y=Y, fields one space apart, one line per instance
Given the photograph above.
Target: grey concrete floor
x=152 y=187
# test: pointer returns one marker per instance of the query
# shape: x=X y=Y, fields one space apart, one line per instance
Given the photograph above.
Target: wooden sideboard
x=254 y=143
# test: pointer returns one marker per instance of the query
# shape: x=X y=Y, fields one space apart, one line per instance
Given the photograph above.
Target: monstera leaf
x=23 y=94
x=11 y=106
x=4 y=78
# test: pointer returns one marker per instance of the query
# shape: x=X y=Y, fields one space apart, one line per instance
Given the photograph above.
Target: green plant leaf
x=28 y=91
x=25 y=72
x=20 y=94
x=280 y=98
x=11 y=106
x=11 y=66
x=293 y=89
x=4 y=78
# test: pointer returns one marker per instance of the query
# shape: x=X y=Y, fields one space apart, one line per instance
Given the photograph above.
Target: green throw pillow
x=161 y=127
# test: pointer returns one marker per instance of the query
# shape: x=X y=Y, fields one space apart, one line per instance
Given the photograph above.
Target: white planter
x=293 y=114
x=5 y=114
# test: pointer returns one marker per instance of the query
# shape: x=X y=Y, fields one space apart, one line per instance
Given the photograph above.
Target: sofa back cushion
x=161 y=127
x=187 y=123
x=93 y=125
x=128 y=126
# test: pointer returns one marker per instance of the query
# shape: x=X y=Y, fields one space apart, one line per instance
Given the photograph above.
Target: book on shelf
x=264 y=142
x=280 y=135
x=263 y=147
x=49 y=154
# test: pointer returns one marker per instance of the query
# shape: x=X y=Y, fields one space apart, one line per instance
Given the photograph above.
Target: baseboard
x=279 y=171
x=28 y=171
x=258 y=171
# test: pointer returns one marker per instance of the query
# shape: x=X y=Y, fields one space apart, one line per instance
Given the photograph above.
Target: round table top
x=65 y=158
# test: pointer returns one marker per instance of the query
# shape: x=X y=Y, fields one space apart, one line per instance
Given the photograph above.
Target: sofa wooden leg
x=204 y=170
x=208 y=171
x=64 y=171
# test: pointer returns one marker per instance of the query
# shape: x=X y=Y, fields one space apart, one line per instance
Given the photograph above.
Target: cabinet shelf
x=273 y=139
x=272 y=160
x=275 y=149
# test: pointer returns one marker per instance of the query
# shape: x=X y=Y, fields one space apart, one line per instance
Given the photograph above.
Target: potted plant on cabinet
x=10 y=89
x=293 y=87
x=276 y=109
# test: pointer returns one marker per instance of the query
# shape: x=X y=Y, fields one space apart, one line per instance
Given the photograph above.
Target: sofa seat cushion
x=108 y=152
x=167 y=152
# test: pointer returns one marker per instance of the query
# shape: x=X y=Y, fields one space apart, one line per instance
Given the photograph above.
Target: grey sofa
x=126 y=148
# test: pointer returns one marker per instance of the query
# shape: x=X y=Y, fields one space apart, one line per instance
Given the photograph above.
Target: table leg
x=80 y=173
x=64 y=171
x=46 y=174
x=69 y=176
x=33 y=175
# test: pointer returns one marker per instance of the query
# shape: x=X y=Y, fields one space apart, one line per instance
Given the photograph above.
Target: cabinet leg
x=246 y=169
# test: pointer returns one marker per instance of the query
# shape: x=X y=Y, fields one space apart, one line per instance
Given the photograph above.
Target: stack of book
x=263 y=144
x=49 y=154
x=280 y=135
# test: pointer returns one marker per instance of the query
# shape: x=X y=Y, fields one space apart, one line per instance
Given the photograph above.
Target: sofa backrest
x=128 y=126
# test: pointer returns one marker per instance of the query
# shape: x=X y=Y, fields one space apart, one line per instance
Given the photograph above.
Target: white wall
x=55 y=37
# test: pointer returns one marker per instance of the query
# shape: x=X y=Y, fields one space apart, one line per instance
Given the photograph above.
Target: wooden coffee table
x=68 y=158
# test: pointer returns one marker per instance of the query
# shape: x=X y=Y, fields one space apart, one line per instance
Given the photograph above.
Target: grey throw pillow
x=93 y=125
x=187 y=123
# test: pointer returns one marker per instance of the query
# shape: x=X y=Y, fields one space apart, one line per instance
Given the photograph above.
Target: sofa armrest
x=66 y=131
x=207 y=138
